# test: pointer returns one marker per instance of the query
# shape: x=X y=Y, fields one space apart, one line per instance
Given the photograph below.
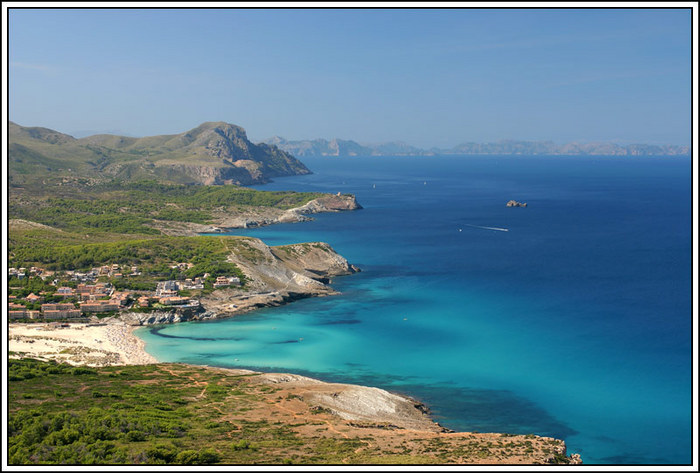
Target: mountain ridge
x=346 y=148
x=211 y=153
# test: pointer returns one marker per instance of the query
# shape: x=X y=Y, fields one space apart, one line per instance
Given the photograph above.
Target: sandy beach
x=79 y=344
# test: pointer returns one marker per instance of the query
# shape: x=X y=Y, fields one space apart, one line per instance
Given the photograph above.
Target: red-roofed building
x=99 y=306
x=34 y=298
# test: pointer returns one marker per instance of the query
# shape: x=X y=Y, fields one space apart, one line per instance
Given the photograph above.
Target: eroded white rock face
x=277 y=275
x=356 y=403
x=362 y=402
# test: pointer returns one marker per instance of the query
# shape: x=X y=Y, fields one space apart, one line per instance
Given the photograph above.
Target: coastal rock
x=513 y=203
x=329 y=203
x=260 y=216
x=277 y=275
x=315 y=260
x=165 y=316
x=356 y=403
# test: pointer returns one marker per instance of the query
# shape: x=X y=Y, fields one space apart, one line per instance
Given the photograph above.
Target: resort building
x=93 y=291
x=57 y=307
x=65 y=291
x=34 y=298
x=223 y=281
x=120 y=298
x=59 y=311
x=179 y=301
x=146 y=301
x=61 y=314
x=191 y=284
x=99 y=306
x=167 y=289
x=16 y=311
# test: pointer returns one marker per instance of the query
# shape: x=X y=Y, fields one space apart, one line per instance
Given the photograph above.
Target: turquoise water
x=575 y=323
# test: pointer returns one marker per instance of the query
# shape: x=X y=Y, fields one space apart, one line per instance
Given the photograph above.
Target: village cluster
x=82 y=295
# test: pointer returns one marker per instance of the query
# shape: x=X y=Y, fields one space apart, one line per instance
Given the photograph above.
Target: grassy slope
x=118 y=208
x=180 y=414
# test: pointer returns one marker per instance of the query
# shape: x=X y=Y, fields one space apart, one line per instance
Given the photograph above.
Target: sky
x=427 y=77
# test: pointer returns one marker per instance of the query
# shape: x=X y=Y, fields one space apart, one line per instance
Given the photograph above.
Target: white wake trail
x=487 y=228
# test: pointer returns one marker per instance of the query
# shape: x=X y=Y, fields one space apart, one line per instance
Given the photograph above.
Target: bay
x=574 y=323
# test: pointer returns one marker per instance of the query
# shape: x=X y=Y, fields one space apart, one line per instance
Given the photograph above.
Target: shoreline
x=101 y=344
x=354 y=406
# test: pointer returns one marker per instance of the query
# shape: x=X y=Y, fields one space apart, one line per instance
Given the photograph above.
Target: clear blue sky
x=426 y=77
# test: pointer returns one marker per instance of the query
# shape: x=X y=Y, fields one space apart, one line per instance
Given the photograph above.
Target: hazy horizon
x=86 y=133
x=425 y=77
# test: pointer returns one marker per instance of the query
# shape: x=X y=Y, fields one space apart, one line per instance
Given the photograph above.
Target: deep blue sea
x=575 y=323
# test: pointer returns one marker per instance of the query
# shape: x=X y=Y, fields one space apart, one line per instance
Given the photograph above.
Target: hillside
x=187 y=415
x=212 y=153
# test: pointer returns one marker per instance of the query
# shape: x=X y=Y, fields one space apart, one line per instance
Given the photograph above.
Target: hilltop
x=212 y=153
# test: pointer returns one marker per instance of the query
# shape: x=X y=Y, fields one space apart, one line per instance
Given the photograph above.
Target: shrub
x=135 y=436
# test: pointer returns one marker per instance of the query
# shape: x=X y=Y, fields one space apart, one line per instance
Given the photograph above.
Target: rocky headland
x=260 y=216
x=274 y=276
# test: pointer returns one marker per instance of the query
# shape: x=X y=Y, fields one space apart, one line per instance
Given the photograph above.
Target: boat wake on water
x=486 y=228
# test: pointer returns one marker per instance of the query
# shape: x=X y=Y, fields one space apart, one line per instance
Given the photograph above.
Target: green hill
x=212 y=153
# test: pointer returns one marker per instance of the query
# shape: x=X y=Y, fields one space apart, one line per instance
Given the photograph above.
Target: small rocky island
x=514 y=203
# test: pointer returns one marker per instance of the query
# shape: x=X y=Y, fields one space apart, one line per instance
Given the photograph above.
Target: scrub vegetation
x=187 y=415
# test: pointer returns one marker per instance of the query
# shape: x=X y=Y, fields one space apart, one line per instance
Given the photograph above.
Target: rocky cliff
x=274 y=276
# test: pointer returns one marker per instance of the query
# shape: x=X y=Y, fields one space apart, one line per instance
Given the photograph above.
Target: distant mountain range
x=337 y=147
x=212 y=153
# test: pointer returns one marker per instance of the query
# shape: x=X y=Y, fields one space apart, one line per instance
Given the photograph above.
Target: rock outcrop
x=172 y=316
x=259 y=217
x=513 y=203
x=274 y=276
x=361 y=405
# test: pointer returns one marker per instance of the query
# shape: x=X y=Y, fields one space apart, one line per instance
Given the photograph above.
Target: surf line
x=487 y=228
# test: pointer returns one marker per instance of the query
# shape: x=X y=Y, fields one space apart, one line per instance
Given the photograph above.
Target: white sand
x=79 y=344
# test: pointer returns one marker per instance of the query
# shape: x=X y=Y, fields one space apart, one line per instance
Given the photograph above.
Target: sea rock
x=513 y=203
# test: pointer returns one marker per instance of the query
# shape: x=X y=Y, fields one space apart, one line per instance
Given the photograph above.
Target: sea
x=569 y=318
